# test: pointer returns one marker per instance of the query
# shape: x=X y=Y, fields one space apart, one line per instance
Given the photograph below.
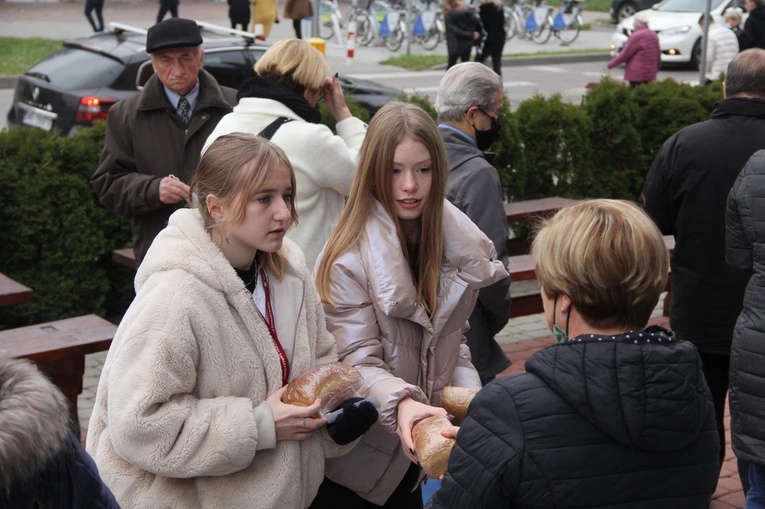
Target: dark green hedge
x=57 y=239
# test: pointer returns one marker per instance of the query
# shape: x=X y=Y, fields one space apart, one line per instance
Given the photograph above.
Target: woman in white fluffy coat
x=188 y=412
x=291 y=78
x=399 y=278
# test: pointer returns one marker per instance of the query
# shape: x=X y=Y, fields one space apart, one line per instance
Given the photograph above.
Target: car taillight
x=93 y=108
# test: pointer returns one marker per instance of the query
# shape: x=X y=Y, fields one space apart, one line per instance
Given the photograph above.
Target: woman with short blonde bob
x=281 y=102
x=188 y=411
x=617 y=414
x=399 y=278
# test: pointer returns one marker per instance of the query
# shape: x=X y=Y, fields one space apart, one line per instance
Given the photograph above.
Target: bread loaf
x=456 y=400
x=431 y=446
x=332 y=383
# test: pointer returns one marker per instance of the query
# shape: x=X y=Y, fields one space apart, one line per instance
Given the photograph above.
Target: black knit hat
x=173 y=33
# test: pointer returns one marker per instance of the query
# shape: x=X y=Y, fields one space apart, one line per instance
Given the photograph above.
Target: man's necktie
x=184 y=111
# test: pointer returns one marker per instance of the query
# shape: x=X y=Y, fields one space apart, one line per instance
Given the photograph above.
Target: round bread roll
x=456 y=400
x=333 y=383
x=431 y=446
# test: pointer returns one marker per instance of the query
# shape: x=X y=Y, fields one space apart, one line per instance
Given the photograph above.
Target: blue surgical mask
x=726 y=25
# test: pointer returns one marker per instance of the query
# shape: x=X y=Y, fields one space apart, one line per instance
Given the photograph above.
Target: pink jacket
x=641 y=54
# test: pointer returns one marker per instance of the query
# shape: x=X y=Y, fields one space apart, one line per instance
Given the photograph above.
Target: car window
x=77 y=68
x=232 y=66
x=686 y=5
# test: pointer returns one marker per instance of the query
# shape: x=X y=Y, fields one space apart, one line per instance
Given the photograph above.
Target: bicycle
x=393 y=29
x=516 y=13
x=428 y=25
x=568 y=21
x=565 y=24
x=333 y=23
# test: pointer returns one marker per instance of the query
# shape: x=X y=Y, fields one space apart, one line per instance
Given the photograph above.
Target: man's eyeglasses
x=498 y=118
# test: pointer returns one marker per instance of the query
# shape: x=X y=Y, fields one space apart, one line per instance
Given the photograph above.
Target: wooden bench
x=522 y=268
x=124 y=257
x=59 y=348
x=12 y=292
x=527 y=211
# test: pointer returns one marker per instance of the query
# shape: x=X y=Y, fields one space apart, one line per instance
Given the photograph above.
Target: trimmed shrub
x=556 y=141
x=54 y=232
x=618 y=160
x=664 y=107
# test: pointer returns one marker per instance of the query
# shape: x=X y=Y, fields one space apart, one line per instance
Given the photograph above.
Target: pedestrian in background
x=722 y=46
x=166 y=6
x=754 y=28
x=98 y=6
x=463 y=31
x=399 y=278
x=264 y=13
x=733 y=18
x=297 y=10
x=641 y=54
x=493 y=19
x=239 y=13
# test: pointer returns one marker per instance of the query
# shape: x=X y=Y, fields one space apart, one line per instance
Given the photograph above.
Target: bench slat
x=48 y=342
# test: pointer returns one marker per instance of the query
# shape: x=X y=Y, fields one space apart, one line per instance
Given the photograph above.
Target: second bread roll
x=431 y=446
x=456 y=400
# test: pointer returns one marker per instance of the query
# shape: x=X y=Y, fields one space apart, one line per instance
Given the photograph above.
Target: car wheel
x=695 y=56
x=625 y=10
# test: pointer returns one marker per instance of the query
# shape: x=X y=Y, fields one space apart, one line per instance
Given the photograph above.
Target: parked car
x=677 y=24
x=77 y=84
x=621 y=9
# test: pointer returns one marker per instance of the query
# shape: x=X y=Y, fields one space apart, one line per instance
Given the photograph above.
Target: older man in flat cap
x=154 y=138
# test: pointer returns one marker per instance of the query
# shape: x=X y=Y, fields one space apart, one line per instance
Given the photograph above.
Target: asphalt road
x=521 y=81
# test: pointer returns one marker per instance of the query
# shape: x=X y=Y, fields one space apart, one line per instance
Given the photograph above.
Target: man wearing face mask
x=469 y=106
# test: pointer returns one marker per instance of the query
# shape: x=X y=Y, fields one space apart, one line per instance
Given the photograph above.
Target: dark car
x=78 y=84
x=621 y=9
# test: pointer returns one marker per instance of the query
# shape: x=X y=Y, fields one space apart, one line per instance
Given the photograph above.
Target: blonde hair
x=392 y=124
x=607 y=256
x=295 y=64
x=234 y=168
x=733 y=13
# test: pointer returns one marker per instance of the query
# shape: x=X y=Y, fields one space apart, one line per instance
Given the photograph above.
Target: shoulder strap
x=274 y=126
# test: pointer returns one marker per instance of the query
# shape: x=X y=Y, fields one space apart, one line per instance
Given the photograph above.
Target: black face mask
x=484 y=139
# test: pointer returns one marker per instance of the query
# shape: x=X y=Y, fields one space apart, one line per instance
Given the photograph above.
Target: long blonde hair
x=394 y=122
x=235 y=168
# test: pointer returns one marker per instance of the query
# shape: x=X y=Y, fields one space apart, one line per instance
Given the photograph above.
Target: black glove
x=354 y=421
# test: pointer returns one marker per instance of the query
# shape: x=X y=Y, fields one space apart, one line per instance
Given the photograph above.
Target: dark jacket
x=746 y=254
x=600 y=421
x=493 y=21
x=239 y=11
x=753 y=35
x=145 y=142
x=474 y=188
x=40 y=458
x=685 y=194
x=460 y=26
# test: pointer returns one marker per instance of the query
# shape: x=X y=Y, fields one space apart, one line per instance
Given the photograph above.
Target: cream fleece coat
x=180 y=419
x=400 y=351
x=324 y=164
